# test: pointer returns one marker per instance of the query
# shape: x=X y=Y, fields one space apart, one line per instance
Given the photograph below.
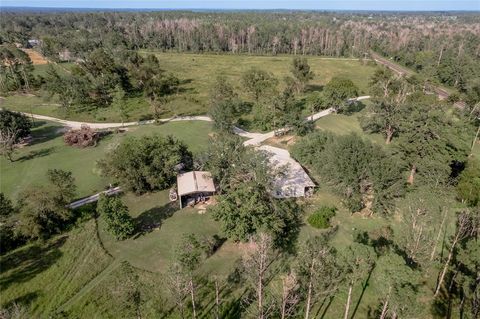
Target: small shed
x=194 y=186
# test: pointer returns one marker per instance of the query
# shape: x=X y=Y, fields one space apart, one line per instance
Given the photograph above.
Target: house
x=290 y=180
x=195 y=186
x=33 y=43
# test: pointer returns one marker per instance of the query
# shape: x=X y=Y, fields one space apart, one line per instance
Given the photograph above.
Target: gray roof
x=291 y=179
x=195 y=182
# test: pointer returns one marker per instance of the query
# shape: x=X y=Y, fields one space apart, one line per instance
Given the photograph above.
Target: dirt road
x=440 y=92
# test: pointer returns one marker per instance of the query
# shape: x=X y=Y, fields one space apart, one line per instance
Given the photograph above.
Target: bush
x=321 y=217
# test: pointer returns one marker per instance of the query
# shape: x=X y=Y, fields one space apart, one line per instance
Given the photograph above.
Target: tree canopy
x=146 y=163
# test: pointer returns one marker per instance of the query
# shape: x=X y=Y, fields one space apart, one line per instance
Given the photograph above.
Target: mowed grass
x=48 y=151
x=197 y=73
x=43 y=276
x=161 y=228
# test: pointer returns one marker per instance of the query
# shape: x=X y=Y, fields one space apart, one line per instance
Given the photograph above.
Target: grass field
x=197 y=73
x=45 y=275
x=49 y=151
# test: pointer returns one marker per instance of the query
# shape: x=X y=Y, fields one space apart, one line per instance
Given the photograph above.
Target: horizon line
x=240 y=9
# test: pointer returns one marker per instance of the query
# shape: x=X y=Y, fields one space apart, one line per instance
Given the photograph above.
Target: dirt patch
x=281 y=141
x=37 y=58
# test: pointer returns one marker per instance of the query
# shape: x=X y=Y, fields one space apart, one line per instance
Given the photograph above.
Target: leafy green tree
x=337 y=93
x=397 y=287
x=302 y=73
x=225 y=105
x=63 y=185
x=72 y=90
x=6 y=208
x=120 y=103
x=321 y=217
x=231 y=163
x=258 y=83
x=40 y=214
x=430 y=140
x=468 y=187
x=316 y=102
x=43 y=210
x=13 y=128
x=119 y=222
x=467 y=283
x=146 y=163
x=345 y=162
x=249 y=209
x=288 y=112
x=385 y=114
x=15 y=70
x=222 y=90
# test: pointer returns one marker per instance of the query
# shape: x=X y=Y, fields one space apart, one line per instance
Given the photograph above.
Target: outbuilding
x=194 y=187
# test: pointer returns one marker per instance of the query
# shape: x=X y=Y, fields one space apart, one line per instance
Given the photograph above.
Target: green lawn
x=163 y=227
x=46 y=275
x=342 y=124
x=198 y=73
x=49 y=151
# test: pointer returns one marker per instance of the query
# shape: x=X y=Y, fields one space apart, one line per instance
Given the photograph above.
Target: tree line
x=442 y=47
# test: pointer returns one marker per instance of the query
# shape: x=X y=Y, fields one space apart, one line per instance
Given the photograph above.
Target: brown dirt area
x=37 y=58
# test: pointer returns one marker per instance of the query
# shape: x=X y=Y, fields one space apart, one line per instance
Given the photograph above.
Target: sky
x=405 y=5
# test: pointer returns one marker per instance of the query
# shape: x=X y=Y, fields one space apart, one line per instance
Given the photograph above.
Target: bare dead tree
x=179 y=287
x=418 y=240
x=467 y=225
x=439 y=234
x=8 y=139
x=290 y=297
x=256 y=262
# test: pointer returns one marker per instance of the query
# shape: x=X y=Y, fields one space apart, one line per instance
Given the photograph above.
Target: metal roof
x=195 y=182
x=291 y=179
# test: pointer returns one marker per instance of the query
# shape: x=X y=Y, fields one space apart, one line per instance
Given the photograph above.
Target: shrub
x=321 y=217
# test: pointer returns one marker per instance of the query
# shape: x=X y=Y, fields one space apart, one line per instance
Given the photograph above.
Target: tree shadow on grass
x=149 y=220
x=24 y=264
x=24 y=300
x=364 y=287
x=43 y=132
x=313 y=88
x=36 y=154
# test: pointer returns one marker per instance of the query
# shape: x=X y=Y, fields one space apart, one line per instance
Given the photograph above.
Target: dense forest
x=444 y=47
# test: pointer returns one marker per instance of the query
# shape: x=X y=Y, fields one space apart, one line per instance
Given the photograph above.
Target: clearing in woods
x=36 y=57
x=198 y=73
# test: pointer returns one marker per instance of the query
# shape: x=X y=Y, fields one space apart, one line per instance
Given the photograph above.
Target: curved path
x=98 y=125
x=253 y=139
